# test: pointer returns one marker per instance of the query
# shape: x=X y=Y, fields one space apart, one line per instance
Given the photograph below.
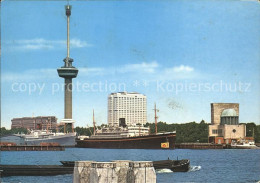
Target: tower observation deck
x=68 y=72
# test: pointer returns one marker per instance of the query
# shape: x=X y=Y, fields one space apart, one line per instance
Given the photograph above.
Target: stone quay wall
x=120 y=171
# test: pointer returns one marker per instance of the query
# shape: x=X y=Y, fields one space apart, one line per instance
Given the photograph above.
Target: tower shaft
x=68 y=98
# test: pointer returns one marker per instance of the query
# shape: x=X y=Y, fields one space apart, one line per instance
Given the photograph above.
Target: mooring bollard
x=119 y=171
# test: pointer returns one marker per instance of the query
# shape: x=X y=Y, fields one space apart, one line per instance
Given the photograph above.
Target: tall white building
x=127 y=107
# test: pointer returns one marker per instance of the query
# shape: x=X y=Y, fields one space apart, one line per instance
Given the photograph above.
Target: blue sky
x=183 y=55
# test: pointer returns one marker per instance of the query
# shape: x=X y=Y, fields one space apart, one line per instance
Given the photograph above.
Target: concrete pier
x=122 y=171
x=32 y=148
x=199 y=146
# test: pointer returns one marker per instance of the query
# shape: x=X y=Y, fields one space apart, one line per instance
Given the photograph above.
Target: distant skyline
x=183 y=55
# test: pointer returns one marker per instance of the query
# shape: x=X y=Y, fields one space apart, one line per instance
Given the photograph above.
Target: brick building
x=33 y=123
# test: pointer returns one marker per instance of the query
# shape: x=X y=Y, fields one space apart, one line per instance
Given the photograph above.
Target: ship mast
x=94 y=125
x=47 y=125
x=155 y=117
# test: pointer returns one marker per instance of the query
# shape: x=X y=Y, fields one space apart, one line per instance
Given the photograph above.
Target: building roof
x=228 y=112
x=223 y=103
x=127 y=93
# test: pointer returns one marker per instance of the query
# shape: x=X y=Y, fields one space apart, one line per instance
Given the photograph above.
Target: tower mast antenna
x=68 y=13
x=94 y=123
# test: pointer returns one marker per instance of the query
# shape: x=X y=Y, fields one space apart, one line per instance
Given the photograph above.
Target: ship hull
x=68 y=140
x=244 y=147
x=140 y=142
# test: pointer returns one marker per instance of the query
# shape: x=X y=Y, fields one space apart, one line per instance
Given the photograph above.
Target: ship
x=153 y=141
x=37 y=137
x=244 y=145
x=174 y=165
x=127 y=137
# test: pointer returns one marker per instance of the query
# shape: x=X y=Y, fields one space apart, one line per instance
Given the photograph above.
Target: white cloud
x=181 y=68
x=94 y=71
x=43 y=44
x=76 y=43
x=29 y=75
x=142 y=67
x=147 y=70
x=36 y=47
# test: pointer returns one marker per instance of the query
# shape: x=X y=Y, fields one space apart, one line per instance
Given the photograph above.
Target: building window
x=219 y=132
x=214 y=131
x=229 y=120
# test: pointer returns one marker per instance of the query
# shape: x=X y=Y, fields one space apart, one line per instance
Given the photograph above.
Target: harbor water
x=206 y=165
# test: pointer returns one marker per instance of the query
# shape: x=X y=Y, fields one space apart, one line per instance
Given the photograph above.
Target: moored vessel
x=244 y=145
x=174 y=165
x=156 y=141
x=127 y=137
x=36 y=137
x=182 y=165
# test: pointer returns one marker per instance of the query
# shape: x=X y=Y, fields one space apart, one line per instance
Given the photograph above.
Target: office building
x=126 y=109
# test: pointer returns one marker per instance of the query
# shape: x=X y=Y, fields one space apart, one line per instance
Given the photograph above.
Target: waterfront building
x=34 y=123
x=225 y=126
x=126 y=109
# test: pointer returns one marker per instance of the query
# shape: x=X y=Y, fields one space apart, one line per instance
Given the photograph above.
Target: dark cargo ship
x=158 y=141
x=127 y=137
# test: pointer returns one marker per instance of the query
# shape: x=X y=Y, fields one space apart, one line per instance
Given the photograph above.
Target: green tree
x=4 y=131
x=187 y=132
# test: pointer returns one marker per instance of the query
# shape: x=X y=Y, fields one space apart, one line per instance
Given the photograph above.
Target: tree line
x=5 y=132
x=198 y=132
x=186 y=132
